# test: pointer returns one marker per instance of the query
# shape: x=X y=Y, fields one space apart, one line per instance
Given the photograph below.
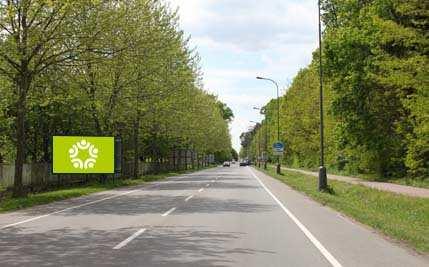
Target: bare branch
x=36 y=14
x=6 y=29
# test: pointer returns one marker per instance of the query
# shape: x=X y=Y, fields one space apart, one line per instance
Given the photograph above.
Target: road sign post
x=278 y=150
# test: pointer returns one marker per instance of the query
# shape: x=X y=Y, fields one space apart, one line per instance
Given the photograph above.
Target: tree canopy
x=107 y=68
x=375 y=56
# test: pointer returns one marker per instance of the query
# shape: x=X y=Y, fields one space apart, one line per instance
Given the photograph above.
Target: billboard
x=83 y=154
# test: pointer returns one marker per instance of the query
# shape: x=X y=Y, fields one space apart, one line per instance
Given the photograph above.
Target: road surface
x=219 y=217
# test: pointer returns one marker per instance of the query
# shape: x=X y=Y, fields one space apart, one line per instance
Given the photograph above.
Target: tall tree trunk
x=174 y=160
x=193 y=159
x=46 y=153
x=21 y=104
x=136 y=148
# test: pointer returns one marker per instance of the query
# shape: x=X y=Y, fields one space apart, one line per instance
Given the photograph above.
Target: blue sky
x=241 y=39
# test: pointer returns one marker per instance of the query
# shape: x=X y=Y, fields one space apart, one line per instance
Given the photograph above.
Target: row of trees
x=114 y=68
x=376 y=93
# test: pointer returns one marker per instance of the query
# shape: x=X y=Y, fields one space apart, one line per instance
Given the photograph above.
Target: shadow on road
x=136 y=205
x=159 y=246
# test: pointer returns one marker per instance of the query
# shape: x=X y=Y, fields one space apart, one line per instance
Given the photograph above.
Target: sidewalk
x=395 y=188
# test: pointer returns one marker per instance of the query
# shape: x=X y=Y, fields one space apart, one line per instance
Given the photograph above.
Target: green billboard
x=83 y=154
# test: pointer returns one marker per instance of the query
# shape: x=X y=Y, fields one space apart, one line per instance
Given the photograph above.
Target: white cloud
x=250 y=25
x=239 y=40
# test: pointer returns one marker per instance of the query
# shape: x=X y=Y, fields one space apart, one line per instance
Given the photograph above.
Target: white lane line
x=129 y=239
x=66 y=209
x=304 y=229
x=188 y=198
x=90 y=203
x=168 y=212
x=207 y=185
x=201 y=190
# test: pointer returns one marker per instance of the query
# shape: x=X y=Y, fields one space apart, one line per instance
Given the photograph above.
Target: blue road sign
x=278 y=147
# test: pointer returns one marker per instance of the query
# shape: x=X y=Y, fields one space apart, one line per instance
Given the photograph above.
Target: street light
x=278 y=117
x=262 y=111
x=323 y=180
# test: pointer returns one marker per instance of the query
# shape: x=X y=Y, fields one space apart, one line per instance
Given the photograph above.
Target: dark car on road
x=245 y=162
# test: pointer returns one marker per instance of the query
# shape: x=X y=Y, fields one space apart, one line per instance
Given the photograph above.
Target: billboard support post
x=118 y=157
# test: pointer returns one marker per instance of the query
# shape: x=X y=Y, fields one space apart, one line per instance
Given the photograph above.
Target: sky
x=238 y=40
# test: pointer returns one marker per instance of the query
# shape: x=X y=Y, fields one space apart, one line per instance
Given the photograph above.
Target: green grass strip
x=400 y=217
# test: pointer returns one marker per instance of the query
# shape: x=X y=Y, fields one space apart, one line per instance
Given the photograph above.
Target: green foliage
x=376 y=91
x=226 y=111
x=234 y=154
x=103 y=68
x=379 y=71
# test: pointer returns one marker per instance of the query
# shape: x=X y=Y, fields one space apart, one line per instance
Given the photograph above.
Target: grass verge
x=417 y=182
x=422 y=182
x=400 y=217
x=10 y=204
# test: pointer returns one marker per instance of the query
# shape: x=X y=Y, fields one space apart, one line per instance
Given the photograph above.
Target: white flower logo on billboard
x=90 y=160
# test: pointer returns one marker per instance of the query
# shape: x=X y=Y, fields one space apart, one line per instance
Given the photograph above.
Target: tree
x=35 y=36
x=376 y=62
x=102 y=68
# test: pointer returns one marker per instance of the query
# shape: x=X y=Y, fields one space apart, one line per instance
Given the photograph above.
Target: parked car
x=226 y=164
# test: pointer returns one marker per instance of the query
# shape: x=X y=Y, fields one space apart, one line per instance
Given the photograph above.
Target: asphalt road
x=219 y=217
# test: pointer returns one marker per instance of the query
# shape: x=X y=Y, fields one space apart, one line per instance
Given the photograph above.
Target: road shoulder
x=346 y=239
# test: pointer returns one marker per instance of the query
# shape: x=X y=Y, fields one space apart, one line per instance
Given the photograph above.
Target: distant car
x=233 y=162
x=244 y=163
x=226 y=164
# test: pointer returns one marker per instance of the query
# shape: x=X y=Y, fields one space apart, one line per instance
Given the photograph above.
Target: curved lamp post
x=278 y=117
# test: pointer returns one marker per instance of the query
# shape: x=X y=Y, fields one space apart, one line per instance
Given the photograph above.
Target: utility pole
x=323 y=180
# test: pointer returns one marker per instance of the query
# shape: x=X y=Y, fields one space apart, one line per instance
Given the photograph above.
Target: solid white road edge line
x=188 y=198
x=168 y=212
x=304 y=229
x=201 y=190
x=129 y=239
x=66 y=209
